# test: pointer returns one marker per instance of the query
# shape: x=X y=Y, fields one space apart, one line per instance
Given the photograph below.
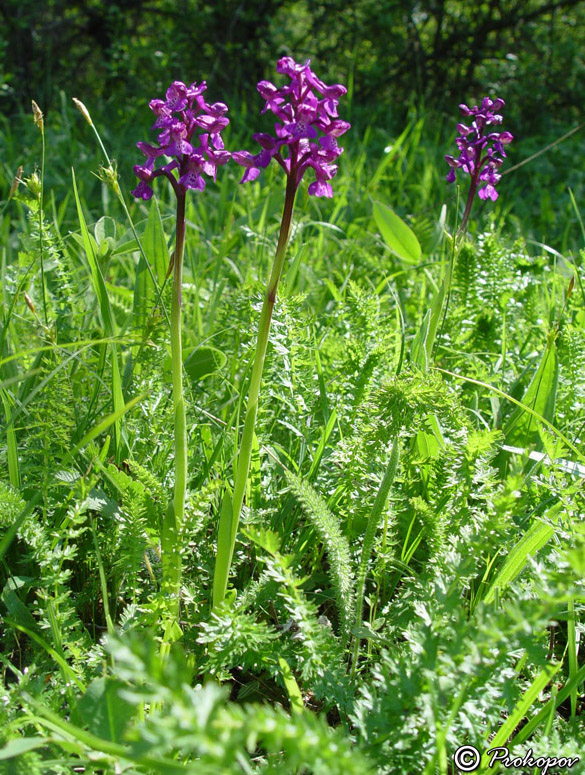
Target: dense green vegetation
x=409 y=569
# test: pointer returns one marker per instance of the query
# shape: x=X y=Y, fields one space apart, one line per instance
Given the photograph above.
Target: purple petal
x=192 y=179
x=142 y=191
x=143 y=173
x=176 y=96
x=250 y=174
x=266 y=141
x=488 y=192
x=267 y=90
x=321 y=188
x=244 y=158
x=211 y=124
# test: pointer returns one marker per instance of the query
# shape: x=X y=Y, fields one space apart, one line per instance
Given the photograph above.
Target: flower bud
x=83 y=110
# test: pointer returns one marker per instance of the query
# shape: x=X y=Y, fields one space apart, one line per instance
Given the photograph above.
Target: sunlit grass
x=464 y=553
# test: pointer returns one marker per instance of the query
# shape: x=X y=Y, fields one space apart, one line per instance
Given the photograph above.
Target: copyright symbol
x=467 y=758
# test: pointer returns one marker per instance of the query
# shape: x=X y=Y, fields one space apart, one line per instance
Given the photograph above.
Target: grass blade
x=107 y=318
x=537 y=536
x=522 y=707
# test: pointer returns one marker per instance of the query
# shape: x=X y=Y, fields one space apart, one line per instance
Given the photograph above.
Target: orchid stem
x=173 y=521
x=222 y=566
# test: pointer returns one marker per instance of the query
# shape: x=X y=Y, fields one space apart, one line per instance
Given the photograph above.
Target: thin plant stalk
x=40 y=122
x=225 y=552
x=171 y=550
x=111 y=177
x=368 y=543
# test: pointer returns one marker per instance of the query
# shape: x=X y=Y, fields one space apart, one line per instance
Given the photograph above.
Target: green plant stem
x=111 y=177
x=368 y=543
x=223 y=562
x=43 y=283
x=171 y=550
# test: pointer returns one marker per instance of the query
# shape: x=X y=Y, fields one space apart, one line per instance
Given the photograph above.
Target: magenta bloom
x=306 y=132
x=481 y=152
x=189 y=134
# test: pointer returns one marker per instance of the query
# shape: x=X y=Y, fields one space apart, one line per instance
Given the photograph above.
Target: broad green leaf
x=203 y=361
x=198 y=362
x=429 y=440
x=521 y=428
x=223 y=559
x=150 y=275
x=103 y=710
x=397 y=235
x=105 y=229
x=21 y=745
x=537 y=536
x=15 y=607
x=292 y=688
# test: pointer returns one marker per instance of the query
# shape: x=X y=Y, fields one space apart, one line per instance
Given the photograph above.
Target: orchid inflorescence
x=301 y=115
x=481 y=153
x=181 y=116
x=308 y=127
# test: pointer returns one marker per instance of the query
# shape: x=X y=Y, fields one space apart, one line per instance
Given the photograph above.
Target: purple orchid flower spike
x=190 y=139
x=305 y=135
x=190 y=134
x=481 y=152
x=306 y=132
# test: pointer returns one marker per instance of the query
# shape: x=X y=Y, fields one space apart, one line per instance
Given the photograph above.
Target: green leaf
x=151 y=273
x=397 y=235
x=418 y=351
x=103 y=426
x=10 y=534
x=292 y=687
x=11 y=442
x=554 y=702
x=265 y=539
x=14 y=605
x=106 y=315
x=203 y=361
x=521 y=709
x=537 y=536
x=224 y=551
x=522 y=428
x=21 y=745
x=105 y=229
x=330 y=531
x=102 y=709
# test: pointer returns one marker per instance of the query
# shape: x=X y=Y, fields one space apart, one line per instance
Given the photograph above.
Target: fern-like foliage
x=331 y=534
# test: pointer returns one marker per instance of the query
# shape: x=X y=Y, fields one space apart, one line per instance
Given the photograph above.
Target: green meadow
x=408 y=570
